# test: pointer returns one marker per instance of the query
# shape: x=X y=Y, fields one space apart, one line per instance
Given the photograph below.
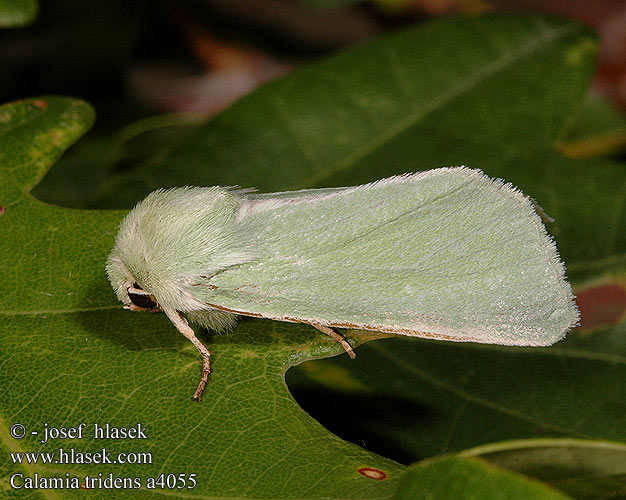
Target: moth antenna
x=336 y=336
x=181 y=324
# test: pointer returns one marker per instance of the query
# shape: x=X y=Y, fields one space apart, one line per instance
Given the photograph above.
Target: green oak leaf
x=70 y=354
x=586 y=470
x=450 y=478
x=17 y=13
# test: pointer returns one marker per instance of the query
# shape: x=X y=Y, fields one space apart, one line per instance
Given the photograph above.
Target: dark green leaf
x=15 y=13
x=479 y=92
x=447 y=397
x=77 y=176
x=586 y=470
x=452 y=478
x=600 y=129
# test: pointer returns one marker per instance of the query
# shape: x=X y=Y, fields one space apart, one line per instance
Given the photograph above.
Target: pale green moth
x=447 y=254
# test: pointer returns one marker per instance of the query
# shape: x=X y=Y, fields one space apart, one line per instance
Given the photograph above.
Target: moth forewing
x=447 y=253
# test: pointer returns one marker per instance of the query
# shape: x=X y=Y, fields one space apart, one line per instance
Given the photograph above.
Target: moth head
x=126 y=287
x=168 y=242
x=139 y=285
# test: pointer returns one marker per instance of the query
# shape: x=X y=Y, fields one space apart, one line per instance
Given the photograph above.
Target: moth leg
x=336 y=336
x=180 y=322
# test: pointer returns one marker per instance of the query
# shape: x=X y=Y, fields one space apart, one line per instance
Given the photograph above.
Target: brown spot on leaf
x=2 y=210
x=83 y=486
x=40 y=103
x=601 y=305
x=377 y=474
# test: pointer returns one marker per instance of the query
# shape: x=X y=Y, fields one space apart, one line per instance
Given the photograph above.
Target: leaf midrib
x=525 y=48
x=39 y=312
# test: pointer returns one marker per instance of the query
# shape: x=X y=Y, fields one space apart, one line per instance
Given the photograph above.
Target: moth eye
x=143 y=301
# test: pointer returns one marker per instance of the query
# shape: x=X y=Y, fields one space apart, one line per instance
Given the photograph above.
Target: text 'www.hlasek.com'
x=58 y=468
